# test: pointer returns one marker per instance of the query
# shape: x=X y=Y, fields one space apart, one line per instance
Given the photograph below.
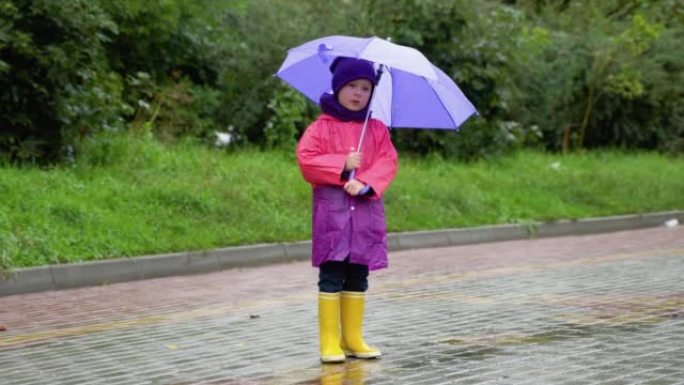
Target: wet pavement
x=600 y=309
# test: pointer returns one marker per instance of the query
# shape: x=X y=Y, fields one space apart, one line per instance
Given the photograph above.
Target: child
x=349 y=233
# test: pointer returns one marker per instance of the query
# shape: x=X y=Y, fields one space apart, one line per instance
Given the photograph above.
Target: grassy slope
x=151 y=198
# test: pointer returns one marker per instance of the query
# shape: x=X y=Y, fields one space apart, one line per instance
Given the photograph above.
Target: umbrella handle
x=366 y=187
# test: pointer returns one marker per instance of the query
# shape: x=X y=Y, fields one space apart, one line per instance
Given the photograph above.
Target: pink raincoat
x=343 y=225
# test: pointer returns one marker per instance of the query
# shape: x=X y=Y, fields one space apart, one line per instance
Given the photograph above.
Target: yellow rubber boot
x=329 y=327
x=353 y=304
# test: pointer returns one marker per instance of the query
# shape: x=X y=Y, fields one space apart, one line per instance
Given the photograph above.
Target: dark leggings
x=335 y=276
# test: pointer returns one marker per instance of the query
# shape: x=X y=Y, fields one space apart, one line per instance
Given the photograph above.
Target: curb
x=56 y=277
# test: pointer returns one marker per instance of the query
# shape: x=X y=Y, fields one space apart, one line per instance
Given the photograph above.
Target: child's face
x=354 y=95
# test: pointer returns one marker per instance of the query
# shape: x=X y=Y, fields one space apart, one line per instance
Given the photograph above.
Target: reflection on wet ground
x=350 y=372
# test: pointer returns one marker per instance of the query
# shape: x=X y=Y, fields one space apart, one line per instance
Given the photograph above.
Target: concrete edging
x=55 y=277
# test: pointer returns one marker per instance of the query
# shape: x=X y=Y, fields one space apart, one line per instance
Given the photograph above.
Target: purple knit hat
x=346 y=69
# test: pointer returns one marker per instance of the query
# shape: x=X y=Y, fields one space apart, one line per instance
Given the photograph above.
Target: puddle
x=598 y=316
x=621 y=309
x=484 y=346
x=476 y=353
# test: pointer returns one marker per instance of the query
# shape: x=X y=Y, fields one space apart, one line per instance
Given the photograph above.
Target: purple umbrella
x=411 y=92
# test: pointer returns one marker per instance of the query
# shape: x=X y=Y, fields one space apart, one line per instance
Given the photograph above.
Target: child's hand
x=353 y=187
x=353 y=161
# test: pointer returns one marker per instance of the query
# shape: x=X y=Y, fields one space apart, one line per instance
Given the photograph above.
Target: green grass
x=150 y=198
x=530 y=186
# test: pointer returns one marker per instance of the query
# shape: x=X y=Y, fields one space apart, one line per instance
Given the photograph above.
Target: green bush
x=609 y=75
x=168 y=38
x=291 y=114
x=563 y=74
x=566 y=74
x=171 y=54
x=180 y=109
x=55 y=84
x=476 y=43
x=261 y=35
x=71 y=69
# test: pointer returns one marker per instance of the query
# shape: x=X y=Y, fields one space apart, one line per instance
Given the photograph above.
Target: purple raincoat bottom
x=346 y=226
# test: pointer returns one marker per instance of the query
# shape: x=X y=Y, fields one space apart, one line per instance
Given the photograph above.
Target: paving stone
x=597 y=309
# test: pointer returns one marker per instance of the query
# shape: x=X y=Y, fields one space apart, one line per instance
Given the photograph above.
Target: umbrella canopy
x=411 y=93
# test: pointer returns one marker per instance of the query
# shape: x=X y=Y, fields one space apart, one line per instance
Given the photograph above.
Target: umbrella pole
x=370 y=102
x=368 y=114
x=365 y=124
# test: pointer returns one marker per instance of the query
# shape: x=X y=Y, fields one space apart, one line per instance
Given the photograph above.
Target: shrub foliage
x=555 y=74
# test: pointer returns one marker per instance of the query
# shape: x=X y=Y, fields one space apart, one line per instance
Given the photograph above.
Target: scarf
x=331 y=106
